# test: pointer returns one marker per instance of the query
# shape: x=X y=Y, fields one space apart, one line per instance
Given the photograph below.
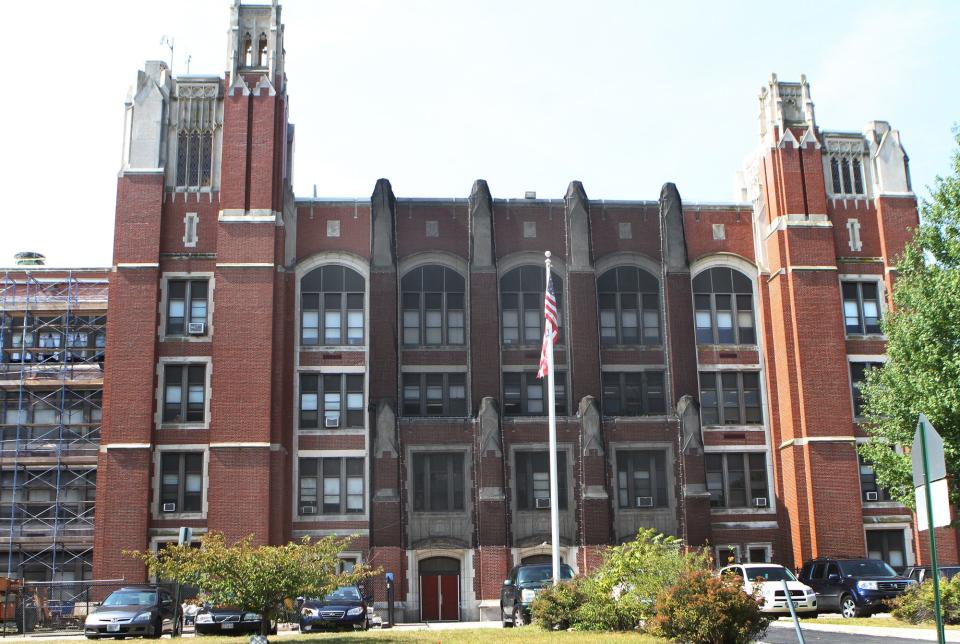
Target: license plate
x=226 y=626
x=113 y=628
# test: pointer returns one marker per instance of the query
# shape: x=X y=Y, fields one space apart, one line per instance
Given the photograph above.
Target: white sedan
x=769 y=579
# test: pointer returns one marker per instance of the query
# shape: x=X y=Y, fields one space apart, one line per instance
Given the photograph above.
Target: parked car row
x=150 y=611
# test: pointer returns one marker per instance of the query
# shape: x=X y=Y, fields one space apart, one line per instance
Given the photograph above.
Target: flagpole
x=552 y=416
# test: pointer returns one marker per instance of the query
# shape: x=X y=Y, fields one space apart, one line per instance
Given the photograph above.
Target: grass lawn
x=886 y=622
x=527 y=635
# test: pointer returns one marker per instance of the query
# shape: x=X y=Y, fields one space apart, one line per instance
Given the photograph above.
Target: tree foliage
x=254 y=578
x=922 y=372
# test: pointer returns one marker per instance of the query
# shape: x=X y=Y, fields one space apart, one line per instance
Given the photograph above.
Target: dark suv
x=519 y=591
x=853 y=587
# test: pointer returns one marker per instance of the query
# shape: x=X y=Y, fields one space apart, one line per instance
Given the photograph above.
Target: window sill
x=729 y=347
x=884 y=504
x=453 y=514
x=743 y=510
x=659 y=508
x=632 y=419
x=410 y=418
x=320 y=431
x=633 y=347
x=756 y=427
x=186 y=338
x=311 y=518
x=866 y=336
x=432 y=347
x=533 y=419
x=320 y=348
x=533 y=512
x=181 y=516
x=203 y=425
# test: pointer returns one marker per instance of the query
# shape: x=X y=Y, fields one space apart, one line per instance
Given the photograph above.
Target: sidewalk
x=921 y=634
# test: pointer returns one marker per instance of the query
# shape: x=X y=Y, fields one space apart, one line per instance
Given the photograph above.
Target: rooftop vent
x=530 y=194
x=29 y=258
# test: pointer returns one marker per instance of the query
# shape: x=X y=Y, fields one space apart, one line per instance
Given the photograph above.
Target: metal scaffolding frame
x=52 y=339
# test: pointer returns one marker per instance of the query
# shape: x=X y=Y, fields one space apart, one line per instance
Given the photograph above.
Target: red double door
x=439 y=598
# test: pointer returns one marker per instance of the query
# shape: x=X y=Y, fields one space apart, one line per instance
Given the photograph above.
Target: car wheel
x=848 y=607
x=506 y=620
x=156 y=629
x=519 y=619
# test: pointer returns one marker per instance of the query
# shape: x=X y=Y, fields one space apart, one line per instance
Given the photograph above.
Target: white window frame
x=164 y=291
x=184 y=361
x=155 y=499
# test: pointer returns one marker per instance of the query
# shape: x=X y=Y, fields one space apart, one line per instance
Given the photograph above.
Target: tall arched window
x=521 y=304
x=433 y=310
x=629 y=299
x=331 y=306
x=723 y=300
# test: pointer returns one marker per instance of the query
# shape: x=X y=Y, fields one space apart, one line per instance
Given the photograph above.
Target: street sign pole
x=922 y=428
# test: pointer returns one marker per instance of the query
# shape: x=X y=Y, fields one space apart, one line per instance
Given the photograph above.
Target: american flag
x=550 y=326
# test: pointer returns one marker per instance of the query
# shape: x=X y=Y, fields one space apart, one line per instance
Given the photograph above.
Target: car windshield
x=532 y=574
x=131 y=598
x=867 y=568
x=349 y=593
x=770 y=573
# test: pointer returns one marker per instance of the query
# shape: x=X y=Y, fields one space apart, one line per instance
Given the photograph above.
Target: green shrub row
x=916 y=605
x=656 y=585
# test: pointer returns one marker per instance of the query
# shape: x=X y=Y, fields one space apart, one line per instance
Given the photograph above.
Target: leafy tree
x=254 y=578
x=922 y=372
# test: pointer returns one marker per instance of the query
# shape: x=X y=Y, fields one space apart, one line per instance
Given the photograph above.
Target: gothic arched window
x=331 y=306
x=629 y=299
x=723 y=303
x=433 y=306
x=522 y=292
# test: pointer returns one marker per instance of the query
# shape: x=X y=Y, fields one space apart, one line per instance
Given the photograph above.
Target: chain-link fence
x=49 y=607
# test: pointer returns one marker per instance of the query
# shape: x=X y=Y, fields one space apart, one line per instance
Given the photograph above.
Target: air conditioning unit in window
x=331 y=421
x=308 y=509
x=759 y=501
x=872 y=496
x=169 y=507
x=196 y=328
x=542 y=502
x=644 y=501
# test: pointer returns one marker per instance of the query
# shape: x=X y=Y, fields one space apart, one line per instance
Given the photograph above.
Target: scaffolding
x=52 y=339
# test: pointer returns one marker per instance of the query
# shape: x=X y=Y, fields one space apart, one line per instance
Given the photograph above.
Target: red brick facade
x=768 y=469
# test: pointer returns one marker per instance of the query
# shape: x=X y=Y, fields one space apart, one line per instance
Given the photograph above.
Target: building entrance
x=440 y=590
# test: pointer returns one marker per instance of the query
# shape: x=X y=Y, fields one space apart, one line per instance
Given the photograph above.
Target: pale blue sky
x=434 y=94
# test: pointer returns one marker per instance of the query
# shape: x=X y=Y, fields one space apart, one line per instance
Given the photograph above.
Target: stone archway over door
x=439 y=589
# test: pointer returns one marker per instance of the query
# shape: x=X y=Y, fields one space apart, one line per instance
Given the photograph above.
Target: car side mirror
x=833 y=578
x=506 y=582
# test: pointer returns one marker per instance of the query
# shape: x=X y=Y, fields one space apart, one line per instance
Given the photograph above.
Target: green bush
x=554 y=607
x=702 y=608
x=916 y=605
x=620 y=594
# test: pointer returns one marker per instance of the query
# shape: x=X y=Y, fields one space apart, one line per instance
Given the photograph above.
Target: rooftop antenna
x=189 y=58
x=168 y=42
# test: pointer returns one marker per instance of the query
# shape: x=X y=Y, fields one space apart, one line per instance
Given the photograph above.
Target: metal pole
x=793 y=612
x=552 y=416
x=941 y=637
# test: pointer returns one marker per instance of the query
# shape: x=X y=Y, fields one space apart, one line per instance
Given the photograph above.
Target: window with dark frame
x=737 y=480
x=181 y=481
x=723 y=307
x=438 y=484
x=532 y=478
x=526 y=395
x=433 y=307
x=522 y=293
x=184 y=393
x=633 y=393
x=858 y=376
x=861 y=307
x=186 y=304
x=846 y=176
x=331 y=307
x=641 y=479
x=434 y=394
x=194 y=159
x=331 y=486
x=869 y=488
x=629 y=300
x=331 y=400
x=730 y=398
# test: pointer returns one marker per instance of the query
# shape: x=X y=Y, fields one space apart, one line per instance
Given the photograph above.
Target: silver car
x=146 y=611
